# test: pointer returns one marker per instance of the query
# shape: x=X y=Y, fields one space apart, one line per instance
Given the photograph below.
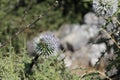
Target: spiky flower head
x=105 y=8
x=46 y=44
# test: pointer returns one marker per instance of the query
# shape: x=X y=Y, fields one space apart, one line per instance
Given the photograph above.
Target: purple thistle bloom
x=105 y=8
x=46 y=44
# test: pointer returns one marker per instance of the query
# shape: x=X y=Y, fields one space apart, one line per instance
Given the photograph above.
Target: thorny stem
x=33 y=62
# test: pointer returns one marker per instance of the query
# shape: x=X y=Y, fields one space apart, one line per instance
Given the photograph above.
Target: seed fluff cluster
x=46 y=44
x=105 y=8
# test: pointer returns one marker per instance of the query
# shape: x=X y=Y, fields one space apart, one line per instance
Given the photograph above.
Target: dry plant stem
x=107 y=77
x=22 y=30
x=111 y=38
x=102 y=74
x=117 y=21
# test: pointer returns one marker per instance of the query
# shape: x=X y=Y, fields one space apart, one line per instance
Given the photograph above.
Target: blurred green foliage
x=15 y=67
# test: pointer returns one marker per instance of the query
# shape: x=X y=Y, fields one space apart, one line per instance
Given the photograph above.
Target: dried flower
x=46 y=44
x=105 y=8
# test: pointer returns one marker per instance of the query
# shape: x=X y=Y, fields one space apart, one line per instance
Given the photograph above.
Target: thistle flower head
x=46 y=44
x=105 y=8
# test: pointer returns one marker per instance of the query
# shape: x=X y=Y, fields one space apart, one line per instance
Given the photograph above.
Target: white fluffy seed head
x=105 y=8
x=46 y=44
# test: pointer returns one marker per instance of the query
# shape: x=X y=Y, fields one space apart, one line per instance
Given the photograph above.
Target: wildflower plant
x=105 y=8
x=46 y=44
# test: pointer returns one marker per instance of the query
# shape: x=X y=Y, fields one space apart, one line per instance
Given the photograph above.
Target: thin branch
x=29 y=25
x=22 y=30
x=111 y=38
x=95 y=71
